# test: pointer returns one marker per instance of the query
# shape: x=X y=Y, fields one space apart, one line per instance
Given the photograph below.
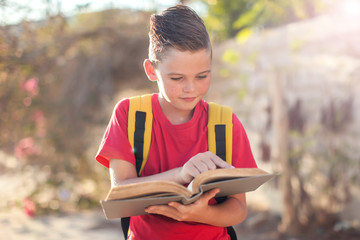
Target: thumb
x=210 y=194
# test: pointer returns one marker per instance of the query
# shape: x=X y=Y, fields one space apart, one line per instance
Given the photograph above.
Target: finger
x=218 y=161
x=210 y=165
x=164 y=210
x=192 y=172
x=210 y=194
x=201 y=166
x=175 y=205
x=158 y=209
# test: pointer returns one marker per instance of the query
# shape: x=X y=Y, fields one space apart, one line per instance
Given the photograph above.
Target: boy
x=180 y=62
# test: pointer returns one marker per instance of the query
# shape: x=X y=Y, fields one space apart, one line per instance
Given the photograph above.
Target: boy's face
x=183 y=79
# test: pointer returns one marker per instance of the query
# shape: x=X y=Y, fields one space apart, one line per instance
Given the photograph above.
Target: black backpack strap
x=220 y=139
x=232 y=233
x=139 y=128
x=140 y=119
x=125 y=224
x=220 y=131
x=139 y=134
x=220 y=142
x=230 y=230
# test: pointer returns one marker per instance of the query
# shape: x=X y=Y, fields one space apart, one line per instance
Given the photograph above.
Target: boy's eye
x=202 y=76
x=176 y=78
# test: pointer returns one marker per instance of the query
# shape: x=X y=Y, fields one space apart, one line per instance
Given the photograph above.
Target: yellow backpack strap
x=220 y=131
x=139 y=128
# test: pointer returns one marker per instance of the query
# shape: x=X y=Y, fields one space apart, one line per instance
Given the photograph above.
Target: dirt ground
x=264 y=225
x=15 y=224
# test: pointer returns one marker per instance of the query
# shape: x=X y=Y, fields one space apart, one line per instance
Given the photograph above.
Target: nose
x=189 y=86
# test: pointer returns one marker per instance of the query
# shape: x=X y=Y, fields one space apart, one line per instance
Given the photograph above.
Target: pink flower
x=29 y=207
x=38 y=116
x=31 y=86
x=26 y=147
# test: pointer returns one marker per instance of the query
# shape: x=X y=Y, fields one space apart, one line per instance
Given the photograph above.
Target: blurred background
x=290 y=69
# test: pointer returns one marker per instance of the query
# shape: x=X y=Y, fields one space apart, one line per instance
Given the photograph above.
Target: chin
x=189 y=106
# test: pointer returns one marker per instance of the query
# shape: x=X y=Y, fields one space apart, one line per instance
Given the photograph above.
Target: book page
x=190 y=187
x=147 y=189
x=222 y=174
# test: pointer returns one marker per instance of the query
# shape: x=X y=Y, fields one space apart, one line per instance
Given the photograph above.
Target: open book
x=132 y=199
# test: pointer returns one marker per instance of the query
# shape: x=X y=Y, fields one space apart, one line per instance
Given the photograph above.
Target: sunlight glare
x=351 y=8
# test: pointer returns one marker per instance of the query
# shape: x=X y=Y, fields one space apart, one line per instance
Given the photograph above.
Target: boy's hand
x=195 y=212
x=199 y=163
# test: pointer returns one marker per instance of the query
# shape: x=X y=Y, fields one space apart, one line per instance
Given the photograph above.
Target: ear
x=150 y=70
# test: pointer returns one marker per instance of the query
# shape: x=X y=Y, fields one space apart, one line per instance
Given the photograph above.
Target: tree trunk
x=290 y=223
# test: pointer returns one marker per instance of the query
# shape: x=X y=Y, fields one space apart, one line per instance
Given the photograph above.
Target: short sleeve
x=242 y=154
x=115 y=143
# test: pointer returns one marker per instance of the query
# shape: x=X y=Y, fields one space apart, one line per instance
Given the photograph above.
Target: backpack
x=139 y=134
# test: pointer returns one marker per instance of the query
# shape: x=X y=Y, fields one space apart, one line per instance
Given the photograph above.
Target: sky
x=14 y=11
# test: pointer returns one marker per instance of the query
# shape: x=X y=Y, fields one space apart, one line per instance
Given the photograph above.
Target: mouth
x=188 y=99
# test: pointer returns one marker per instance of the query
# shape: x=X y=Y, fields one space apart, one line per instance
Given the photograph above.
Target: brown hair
x=178 y=27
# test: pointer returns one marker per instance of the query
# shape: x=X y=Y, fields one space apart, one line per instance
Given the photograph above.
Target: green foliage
x=250 y=16
x=243 y=35
x=223 y=14
x=230 y=56
x=56 y=78
x=236 y=18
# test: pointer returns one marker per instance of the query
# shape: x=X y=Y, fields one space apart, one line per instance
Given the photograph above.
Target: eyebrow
x=206 y=71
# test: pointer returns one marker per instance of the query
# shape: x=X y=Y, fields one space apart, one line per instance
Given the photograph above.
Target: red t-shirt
x=171 y=147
